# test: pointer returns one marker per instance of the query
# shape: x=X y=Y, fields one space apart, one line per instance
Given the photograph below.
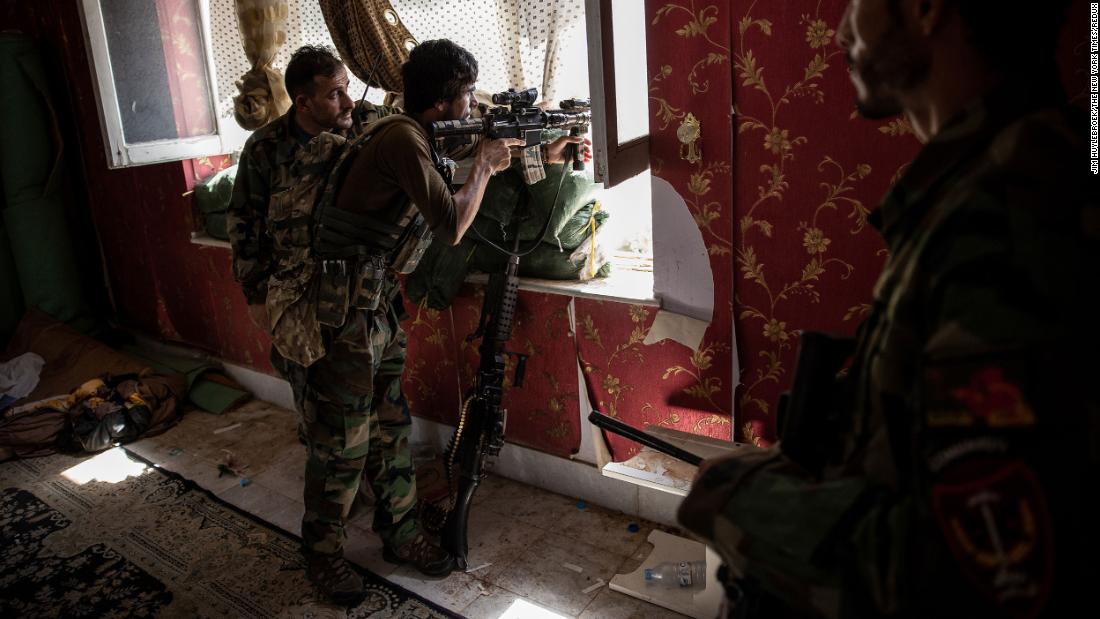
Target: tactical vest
x=358 y=252
x=340 y=260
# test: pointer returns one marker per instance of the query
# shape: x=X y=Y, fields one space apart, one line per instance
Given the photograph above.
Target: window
x=155 y=90
x=547 y=44
x=620 y=108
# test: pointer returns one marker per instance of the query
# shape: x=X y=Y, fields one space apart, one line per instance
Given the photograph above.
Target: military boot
x=334 y=579
x=428 y=558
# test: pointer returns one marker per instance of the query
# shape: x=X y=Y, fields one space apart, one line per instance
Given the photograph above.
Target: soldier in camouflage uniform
x=960 y=456
x=353 y=413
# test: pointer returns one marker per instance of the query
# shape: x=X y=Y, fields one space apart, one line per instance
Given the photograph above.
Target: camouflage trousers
x=355 y=420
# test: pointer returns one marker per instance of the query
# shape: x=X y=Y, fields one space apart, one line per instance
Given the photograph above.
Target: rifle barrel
x=638 y=436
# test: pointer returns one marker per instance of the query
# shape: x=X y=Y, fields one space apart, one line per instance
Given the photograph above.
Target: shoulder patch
x=976 y=392
x=993 y=515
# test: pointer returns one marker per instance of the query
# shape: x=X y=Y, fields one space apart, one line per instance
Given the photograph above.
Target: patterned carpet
x=114 y=537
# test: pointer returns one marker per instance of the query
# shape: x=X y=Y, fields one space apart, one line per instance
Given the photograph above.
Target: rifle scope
x=514 y=97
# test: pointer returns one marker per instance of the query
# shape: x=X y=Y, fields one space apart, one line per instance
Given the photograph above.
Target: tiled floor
x=526 y=544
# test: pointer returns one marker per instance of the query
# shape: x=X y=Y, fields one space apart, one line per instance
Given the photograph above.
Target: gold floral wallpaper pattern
x=808 y=173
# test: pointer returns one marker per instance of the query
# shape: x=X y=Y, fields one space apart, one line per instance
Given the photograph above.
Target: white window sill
x=653 y=469
x=624 y=286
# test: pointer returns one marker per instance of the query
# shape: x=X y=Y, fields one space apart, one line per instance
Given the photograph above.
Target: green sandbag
x=31 y=171
x=544 y=262
x=575 y=190
x=503 y=194
x=443 y=268
x=495 y=213
x=579 y=226
x=212 y=198
x=217 y=225
x=440 y=274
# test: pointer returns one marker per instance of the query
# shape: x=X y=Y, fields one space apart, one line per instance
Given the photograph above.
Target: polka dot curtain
x=305 y=25
x=509 y=38
x=517 y=43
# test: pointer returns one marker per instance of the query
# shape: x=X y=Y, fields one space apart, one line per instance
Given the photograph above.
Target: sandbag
x=212 y=197
x=547 y=261
x=573 y=217
x=580 y=226
x=440 y=274
x=505 y=191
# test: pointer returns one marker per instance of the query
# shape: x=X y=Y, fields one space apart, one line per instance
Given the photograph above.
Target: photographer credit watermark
x=1094 y=88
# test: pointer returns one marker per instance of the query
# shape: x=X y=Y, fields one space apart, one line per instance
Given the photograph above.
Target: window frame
x=120 y=154
x=614 y=162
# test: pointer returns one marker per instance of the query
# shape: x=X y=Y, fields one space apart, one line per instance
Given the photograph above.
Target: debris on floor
x=231 y=465
x=228 y=428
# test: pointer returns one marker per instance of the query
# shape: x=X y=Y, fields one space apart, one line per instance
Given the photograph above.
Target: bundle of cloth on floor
x=570 y=248
x=88 y=396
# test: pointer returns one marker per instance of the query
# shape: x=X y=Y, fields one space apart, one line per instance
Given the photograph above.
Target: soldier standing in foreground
x=953 y=448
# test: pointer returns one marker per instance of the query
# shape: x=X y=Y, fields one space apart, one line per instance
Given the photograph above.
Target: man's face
x=885 y=59
x=459 y=108
x=330 y=106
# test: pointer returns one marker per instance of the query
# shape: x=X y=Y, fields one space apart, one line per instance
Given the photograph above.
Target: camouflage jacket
x=266 y=170
x=952 y=490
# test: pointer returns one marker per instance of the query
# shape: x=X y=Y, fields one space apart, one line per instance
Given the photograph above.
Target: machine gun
x=517 y=117
x=479 y=437
x=480 y=433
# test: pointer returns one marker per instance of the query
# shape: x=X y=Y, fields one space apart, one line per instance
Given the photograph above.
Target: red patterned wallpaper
x=807 y=173
x=543 y=413
x=666 y=384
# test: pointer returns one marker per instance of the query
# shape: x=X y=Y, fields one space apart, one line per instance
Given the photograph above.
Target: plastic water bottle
x=682 y=574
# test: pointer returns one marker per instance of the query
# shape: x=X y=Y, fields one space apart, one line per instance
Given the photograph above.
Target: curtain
x=263 y=96
x=371 y=39
x=186 y=63
x=517 y=43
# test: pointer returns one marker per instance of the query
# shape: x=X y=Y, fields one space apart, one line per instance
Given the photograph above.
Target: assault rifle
x=518 y=117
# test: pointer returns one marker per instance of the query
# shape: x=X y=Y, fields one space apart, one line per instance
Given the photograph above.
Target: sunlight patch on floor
x=522 y=609
x=111 y=466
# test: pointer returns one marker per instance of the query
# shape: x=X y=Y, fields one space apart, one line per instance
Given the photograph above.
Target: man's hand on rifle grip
x=496 y=155
x=558 y=150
